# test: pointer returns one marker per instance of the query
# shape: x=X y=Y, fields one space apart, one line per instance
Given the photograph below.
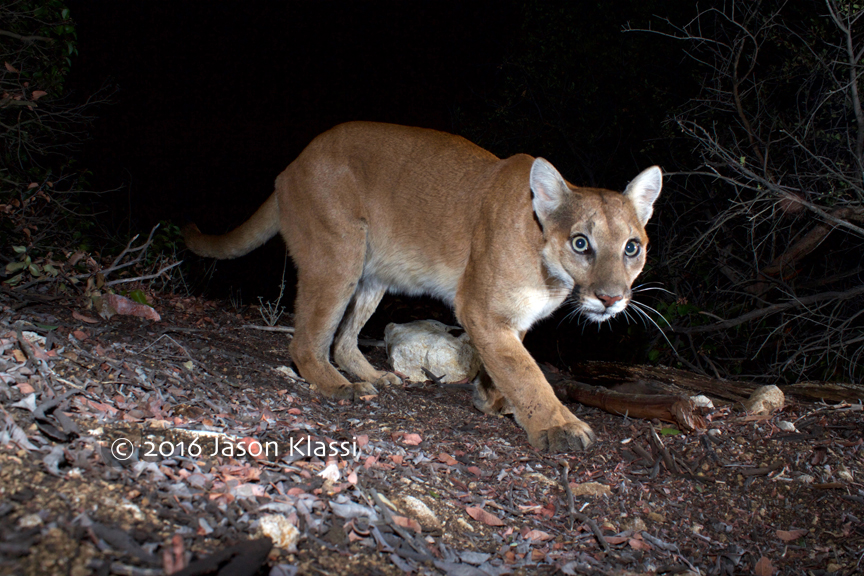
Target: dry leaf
x=36 y=94
x=412 y=439
x=447 y=459
x=84 y=318
x=11 y=68
x=482 y=516
x=538 y=535
x=638 y=544
x=616 y=539
x=763 y=567
x=790 y=535
x=409 y=523
x=127 y=307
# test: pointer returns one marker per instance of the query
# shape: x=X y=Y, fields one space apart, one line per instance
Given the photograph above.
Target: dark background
x=216 y=98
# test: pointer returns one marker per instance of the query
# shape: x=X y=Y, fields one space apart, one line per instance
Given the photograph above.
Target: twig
x=286 y=329
x=565 y=470
x=147 y=277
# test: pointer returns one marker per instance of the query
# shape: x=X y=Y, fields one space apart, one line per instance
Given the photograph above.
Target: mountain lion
x=369 y=208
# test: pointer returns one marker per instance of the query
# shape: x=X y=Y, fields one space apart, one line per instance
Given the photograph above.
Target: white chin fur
x=596 y=312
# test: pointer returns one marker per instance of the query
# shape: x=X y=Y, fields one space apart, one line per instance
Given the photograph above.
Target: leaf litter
x=134 y=446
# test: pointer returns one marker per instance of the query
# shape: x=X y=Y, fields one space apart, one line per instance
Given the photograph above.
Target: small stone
x=636 y=524
x=714 y=432
x=702 y=401
x=656 y=517
x=464 y=525
x=590 y=489
x=30 y=521
x=419 y=511
x=280 y=530
x=288 y=372
x=806 y=479
x=845 y=474
x=786 y=426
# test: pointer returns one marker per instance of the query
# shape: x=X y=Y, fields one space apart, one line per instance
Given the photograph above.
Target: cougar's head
x=594 y=239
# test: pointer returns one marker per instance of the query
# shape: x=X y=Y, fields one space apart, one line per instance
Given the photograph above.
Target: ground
x=423 y=483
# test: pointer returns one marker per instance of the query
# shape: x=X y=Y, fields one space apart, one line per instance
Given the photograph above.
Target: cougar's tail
x=262 y=226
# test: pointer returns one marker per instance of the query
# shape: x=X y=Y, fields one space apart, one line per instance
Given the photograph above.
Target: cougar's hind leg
x=346 y=353
x=326 y=283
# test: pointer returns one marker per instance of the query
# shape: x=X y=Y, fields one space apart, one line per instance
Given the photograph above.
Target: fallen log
x=676 y=408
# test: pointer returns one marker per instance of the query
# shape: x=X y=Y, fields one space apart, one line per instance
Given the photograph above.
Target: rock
x=419 y=511
x=429 y=344
x=280 y=530
x=590 y=489
x=702 y=401
x=636 y=524
x=288 y=372
x=786 y=426
x=765 y=400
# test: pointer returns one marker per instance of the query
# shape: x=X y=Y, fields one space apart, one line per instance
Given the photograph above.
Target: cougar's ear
x=548 y=187
x=643 y=191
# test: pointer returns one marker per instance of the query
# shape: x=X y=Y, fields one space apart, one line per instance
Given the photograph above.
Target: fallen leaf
x=790 y=535
x=84 y=318
x=10 y=68
x=362 y=439
x=482 y=516
x=126 y=307
x=24 y=387
x=538 y=535
x=763 y=567
x=616 y=539
x=412 y=439
x=80 y=335
x=19 y=356
x=638 y=544
x=447 y=459
x=474 y=470
x=409 y=523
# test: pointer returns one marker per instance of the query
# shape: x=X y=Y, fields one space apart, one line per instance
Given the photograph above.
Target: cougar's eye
x=580 y=244
x=632 y=249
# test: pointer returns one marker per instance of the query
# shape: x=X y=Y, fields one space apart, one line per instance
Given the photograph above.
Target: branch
x=25 y=38
x=773 y=309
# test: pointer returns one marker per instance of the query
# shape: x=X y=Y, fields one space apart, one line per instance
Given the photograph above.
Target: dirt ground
x=126 y=447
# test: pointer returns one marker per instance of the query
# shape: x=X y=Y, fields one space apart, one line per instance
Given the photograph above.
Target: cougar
x=369 y=208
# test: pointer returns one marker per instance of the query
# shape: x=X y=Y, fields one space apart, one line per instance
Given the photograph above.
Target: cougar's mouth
x=594 y=310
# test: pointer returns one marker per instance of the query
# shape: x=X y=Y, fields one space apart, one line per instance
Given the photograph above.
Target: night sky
x=216 y=98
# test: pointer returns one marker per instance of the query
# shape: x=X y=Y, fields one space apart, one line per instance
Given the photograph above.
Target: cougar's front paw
x=353 y=391
x=388 y=379
x=572 y=435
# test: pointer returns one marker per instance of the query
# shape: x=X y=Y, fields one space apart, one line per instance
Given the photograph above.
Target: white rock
x=419 y=511
x=786 y=426
x=429 y=344
x=287 y=371
x=702 y=401
x=30 y=521
x=765 y=400
x=845 y=474
x=280 y=530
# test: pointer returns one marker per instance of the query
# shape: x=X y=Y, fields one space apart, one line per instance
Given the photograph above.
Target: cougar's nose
x=607 y=300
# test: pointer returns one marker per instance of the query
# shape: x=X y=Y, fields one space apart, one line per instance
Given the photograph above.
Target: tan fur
x=369 y=208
